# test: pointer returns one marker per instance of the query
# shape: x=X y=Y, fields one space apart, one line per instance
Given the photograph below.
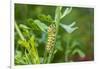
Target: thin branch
x=19 y=32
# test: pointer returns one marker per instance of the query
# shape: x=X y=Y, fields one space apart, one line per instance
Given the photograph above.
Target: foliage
x=52 y=35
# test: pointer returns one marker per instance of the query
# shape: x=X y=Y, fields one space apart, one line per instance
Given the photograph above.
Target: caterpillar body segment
x=51 y=37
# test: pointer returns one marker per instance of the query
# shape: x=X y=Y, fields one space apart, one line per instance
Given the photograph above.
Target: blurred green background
x=83 y=36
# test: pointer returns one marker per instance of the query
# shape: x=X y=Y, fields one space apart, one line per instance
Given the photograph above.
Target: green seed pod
x=51 y=37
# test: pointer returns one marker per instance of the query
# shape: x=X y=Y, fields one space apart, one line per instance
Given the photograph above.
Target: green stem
x=19 y=32
x=51 y=55
x=57 y=17
x=27 y=58
x=37 y=56
x=67 y=48
x=57 y=21
x=45 y=57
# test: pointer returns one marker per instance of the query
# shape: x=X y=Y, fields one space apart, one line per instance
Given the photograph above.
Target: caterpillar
x=51 y=37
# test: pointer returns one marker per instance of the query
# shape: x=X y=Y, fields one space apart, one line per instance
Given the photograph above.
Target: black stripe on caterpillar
x=51 y=37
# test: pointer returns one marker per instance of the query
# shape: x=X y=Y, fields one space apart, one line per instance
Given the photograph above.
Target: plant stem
x=50 y=57
x=57 y=17
x=19 y=32
x=67 y=48
x=57 y=21
x=45 y=57
x=27 y=58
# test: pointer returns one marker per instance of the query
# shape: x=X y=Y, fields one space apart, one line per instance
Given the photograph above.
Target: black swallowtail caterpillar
x=51 y=37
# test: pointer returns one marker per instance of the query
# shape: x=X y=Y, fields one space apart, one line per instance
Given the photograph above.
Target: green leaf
x=78 y=51
x=46 y=18
x=18 y=54
x=37 y=25
x=41 y=25
x=76 y=44
x=66 y=12
x=69 y=28
x=23 y=26
x=19 y=58
x=32 y=25
x=23 y=43
x=58 y=15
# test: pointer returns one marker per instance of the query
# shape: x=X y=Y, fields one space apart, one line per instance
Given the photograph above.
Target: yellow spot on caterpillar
x=51 y=37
